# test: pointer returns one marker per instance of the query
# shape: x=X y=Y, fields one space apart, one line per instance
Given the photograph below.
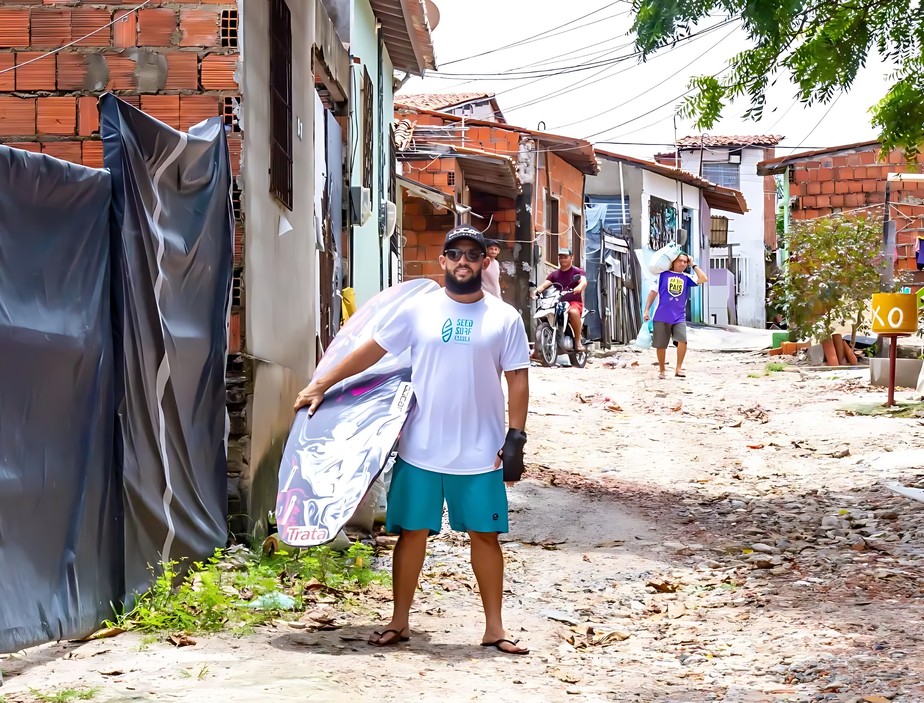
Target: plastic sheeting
x=594 y=216
x=173 y=234
x=60 y=530
x=331 y=459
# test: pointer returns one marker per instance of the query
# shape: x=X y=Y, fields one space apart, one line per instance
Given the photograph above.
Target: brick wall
x=174 y=60
x=843 y=182
x=770 y=238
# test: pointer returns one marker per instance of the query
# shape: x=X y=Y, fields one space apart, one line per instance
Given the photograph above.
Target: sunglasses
x=471 y=255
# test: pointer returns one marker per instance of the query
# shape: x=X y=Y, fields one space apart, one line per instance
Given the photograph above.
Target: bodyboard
x=332 y=458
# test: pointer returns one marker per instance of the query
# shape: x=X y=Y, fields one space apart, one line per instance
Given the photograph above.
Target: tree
x=820 y=44
x=834 y=268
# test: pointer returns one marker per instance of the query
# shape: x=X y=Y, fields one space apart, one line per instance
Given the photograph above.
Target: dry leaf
x=106 y=632
x=181 y=640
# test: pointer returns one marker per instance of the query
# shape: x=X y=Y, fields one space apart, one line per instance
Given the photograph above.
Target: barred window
x=280 y=85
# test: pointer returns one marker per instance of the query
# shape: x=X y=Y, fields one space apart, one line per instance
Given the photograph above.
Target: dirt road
x=719 y=538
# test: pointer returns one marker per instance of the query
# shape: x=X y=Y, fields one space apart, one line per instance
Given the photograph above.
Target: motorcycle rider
x=564 y=276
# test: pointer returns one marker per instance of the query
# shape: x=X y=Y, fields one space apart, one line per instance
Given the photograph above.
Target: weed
x=775 y=367
x=185 y=673
x=203 y=672
x=65 y=695
x=217 y=594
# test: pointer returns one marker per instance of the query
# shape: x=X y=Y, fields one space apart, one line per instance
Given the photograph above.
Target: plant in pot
x=833 y=269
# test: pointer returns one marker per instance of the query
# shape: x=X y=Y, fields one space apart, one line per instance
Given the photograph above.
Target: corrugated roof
x=737 y=140
x=406 y=27
x=718 y=197
x=439 y=101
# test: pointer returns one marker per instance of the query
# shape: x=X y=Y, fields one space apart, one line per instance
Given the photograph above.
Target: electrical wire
x=76 y=41
x=532 y=38
x=657 y=85
x=818 y=124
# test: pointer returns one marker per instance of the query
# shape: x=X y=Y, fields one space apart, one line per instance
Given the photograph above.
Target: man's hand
x=533 y=294
x=647 y=316
x=311 y=396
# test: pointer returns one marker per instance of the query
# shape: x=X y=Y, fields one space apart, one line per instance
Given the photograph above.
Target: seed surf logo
x=447 y=330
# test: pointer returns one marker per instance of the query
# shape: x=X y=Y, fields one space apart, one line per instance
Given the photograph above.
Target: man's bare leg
x=681 y=353
x=574 y=321
x=488 y=565
x=407 y=561
x=662 y=360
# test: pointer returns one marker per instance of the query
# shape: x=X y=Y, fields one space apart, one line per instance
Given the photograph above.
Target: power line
x=76 y=41
x=533 y=37
x=817 y=124
x=657 y=85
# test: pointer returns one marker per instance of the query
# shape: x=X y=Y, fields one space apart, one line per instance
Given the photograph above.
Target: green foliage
x=775 y=367
x=820 y=46
x=64 y=696
x=214 y=595
x=833 y=270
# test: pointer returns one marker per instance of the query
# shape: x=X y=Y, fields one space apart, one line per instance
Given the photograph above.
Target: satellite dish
x=433 y=14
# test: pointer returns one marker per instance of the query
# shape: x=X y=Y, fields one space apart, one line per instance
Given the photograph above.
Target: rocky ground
x=725 y=537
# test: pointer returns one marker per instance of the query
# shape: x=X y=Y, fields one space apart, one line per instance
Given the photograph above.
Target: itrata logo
x=447 y=330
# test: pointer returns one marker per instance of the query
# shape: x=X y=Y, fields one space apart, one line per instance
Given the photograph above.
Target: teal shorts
x=476 y=502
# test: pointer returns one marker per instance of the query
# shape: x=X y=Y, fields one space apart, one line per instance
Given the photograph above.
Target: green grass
x=900 y=410
x=65 y=695
x=771 y=367
x=214 y=596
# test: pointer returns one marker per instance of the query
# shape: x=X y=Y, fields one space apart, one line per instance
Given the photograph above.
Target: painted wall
x=747 y=230
x=371 y=259
x=279 y=274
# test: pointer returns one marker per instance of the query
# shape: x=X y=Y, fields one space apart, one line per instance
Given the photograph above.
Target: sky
x=628 y=102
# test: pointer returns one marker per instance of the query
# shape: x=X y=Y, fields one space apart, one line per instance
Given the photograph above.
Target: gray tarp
x=60 y=531
x=173 y=234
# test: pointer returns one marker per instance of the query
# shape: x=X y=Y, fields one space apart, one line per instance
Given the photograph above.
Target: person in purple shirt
x=670 y=318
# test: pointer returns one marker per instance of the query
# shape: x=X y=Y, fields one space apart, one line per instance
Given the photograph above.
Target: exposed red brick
x=199 y=27
x=125 y=29
x=843 y=174
x=25 y=146
x=825 y=174
x=218 y=72
x=855 y=186
x=133 y=100
x=156 y=27
x=823 y=201
x=196 y=108
x=837 y=201
x=807 y=201
x=14 y=28
x=7 y=77
x=868 y=157
x=235 y=144
x=56 y=116
x=234 y=333
x=870 y=186
x=182 y=71
x=50 y=28
x=93 y=22
x=67 y=151
x=813 y=188
x=121 y=72
x=165 y=108
x=841 y=187
x=37 y=75
x=238 y=244
x=72 y=71
x=827 y=187
x=87 y=116
x=92 y=153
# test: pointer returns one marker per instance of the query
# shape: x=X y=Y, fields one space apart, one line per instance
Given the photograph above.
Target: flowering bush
x=833 y=270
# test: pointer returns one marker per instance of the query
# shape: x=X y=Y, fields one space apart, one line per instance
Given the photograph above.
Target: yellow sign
x=895 y=313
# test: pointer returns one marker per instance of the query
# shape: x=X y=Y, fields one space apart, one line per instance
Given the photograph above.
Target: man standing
x=491 y=275
x=670 y=318
x=564 y=276
x=453 y=443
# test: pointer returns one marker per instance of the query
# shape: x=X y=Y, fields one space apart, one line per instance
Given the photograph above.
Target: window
x=280 y=85
x=722 y=174
x=368 y=117
x=551 y=229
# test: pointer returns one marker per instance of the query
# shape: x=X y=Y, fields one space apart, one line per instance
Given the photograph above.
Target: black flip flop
x=498 y=643
x=393 y=641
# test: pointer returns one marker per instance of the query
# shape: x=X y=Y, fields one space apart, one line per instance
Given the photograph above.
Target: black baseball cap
x=465 y=232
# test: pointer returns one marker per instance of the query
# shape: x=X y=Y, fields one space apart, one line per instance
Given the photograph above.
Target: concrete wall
x=370 y=253
x=747 y=230
x=279 y=272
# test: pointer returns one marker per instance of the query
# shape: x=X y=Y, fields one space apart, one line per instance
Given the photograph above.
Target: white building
x=731 y=161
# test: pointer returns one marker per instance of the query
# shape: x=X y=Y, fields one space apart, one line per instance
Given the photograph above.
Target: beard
x=467 y=287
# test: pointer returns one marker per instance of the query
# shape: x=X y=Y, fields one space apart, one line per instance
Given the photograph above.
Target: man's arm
x=700 y=274
x=517 y=398
x=542 y=286
x=579 y=288
x=652 y=294
x=356 y=362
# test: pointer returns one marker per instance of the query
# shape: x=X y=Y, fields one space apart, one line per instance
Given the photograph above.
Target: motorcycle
x=553 y=332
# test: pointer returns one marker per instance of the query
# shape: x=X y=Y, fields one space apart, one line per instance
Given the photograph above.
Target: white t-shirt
x=490 y=279
x=458 y=352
